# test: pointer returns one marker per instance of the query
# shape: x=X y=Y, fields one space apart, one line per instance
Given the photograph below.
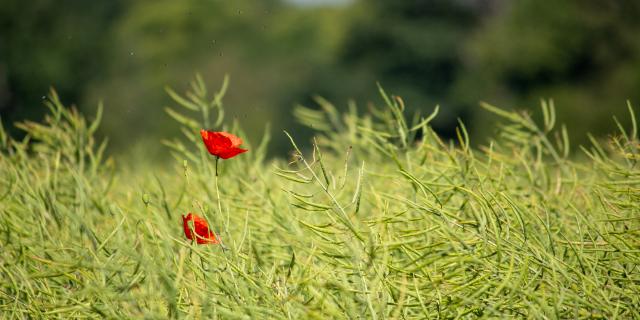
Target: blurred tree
x=583 y=54
x=414 y=48
x=268 y=48
x=47 y=43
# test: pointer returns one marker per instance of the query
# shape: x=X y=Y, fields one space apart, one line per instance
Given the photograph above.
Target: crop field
x=376 y=217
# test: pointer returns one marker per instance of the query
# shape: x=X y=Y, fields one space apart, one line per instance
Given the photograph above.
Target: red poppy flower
x=201 y=227
x=222 y=144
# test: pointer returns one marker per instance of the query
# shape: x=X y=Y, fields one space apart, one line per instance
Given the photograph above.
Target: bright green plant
x=377 y=217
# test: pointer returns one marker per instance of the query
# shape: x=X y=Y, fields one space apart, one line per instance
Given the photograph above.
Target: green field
x=377 y=218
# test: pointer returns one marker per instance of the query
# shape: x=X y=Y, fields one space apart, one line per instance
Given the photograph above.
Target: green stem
x=224 y=248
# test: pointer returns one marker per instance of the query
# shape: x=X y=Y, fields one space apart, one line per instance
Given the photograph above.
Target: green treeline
x=584 y=55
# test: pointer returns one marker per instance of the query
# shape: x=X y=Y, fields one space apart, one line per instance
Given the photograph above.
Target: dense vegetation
x=378 y=217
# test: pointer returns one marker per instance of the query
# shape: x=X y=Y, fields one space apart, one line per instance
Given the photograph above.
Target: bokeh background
x=583 y=54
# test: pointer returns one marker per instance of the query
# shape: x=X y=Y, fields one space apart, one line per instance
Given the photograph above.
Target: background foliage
x=586 y=56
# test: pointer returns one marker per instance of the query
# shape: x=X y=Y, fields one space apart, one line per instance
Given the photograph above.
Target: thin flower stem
x=204 y=268
x=218 y=196
x=224 y=248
